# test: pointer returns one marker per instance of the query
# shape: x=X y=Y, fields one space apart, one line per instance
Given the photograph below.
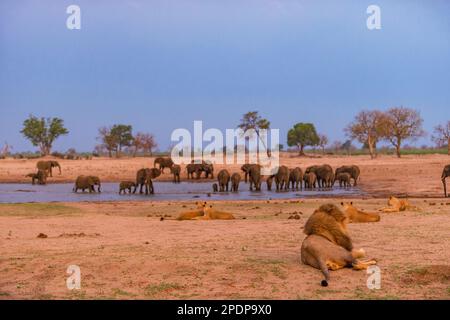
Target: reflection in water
x=18 y=193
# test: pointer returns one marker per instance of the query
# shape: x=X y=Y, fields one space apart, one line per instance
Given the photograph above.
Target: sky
x=159 y=65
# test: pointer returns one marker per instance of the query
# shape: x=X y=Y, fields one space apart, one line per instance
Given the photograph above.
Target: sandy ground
x=412 y=176
x=126 y=252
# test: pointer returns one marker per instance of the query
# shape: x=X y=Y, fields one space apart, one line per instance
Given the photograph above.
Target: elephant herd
x=317 y=176
x=321 y=176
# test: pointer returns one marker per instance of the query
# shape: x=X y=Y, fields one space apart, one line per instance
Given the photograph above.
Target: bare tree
x=367 y=128
x=441 y=136
x=108 y=140
x=145 y=142
x=400 y=124
x=323 y=141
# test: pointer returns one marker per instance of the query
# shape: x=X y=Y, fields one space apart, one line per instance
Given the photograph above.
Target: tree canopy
x=42 y=132
x=301 y=135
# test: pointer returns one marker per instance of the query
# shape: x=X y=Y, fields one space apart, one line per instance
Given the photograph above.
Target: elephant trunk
x=59 y=167
x=99 y=188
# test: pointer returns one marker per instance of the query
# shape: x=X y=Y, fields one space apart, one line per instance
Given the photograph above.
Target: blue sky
x=159 y=65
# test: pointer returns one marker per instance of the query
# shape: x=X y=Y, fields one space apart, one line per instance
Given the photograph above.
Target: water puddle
x=22 y=193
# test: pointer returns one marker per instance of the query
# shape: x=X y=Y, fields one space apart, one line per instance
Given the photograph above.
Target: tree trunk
x=300 y=150
x=371 y=148
x=397 y=150
x=448 y=146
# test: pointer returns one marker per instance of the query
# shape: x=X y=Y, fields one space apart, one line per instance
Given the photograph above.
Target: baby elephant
x=126 y=185
x=344 y=179
x=40 y=177
x=215 y=187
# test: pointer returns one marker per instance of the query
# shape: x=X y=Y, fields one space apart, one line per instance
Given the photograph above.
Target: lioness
x=356 y=215
x=193 y=214
x=397 y=205
x=211 y=214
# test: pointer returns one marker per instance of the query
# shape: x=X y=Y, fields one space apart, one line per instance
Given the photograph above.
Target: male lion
x=328 y=244
x=397 y=205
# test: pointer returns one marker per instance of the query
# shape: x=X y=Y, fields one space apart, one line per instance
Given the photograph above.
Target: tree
x=323 y=141
x=108 y=141
x=301 y=135
x=367 y=128
x=42 y=132
x=400 y=124
x=145 y=142
x=252 y=120
x=123 y=135
x=441 y=136
x=6 y=150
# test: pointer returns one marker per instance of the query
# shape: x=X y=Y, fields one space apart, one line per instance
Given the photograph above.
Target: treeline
x=395 y=127
x=370 y=127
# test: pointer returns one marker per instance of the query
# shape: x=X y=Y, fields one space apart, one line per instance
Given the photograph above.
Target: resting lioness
x=211 y=214
x=356 y=215
x=193 y=214
x=397 y=205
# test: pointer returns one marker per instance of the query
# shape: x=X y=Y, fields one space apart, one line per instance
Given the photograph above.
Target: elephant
x=208 y=169
x=163 y=163
x=235 y=179
x=310 y=180
x=176 y=171
x=282 y=178
x=87 y=182
x=246 y=168
x=215 y=187
x=344 y=179
x=126 y=185
x=445 y=174
x=354 y=172
x=296 y=178
x=223 y=178
x=48 y=165
x=192 y=168
x=144 y=178
x=40 y=176
x=254 y=175
x=324 y=175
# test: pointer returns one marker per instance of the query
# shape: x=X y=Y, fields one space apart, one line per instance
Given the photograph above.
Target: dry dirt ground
x=413 y=176
x=126 y=252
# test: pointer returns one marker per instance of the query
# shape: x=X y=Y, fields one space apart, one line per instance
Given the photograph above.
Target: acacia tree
x=367 y=128
x=42 y=132
x=252 y=120
x=145 y=142
x=400 y=124
x=441 y=135
x=301 y=135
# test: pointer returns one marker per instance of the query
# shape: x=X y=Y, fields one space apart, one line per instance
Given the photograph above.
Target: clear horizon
x=160 y=65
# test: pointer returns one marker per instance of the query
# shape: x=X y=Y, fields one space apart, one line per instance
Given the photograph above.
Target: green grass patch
x=37 y=210
x=155 y=289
